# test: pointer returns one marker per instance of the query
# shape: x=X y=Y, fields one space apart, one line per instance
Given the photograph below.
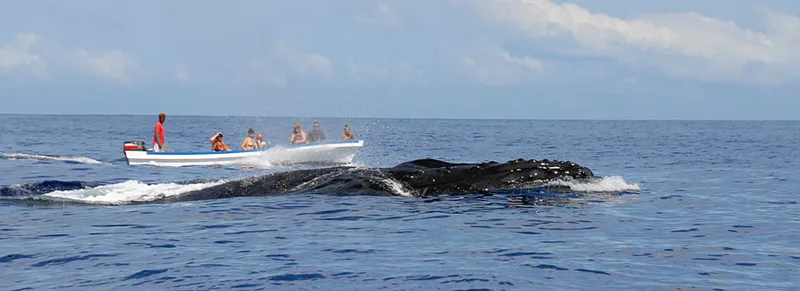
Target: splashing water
x=604 y=184
x=129 y=191
x=397 y=187
x=22 y=156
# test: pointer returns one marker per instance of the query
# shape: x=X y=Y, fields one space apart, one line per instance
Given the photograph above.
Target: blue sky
x=581 y=59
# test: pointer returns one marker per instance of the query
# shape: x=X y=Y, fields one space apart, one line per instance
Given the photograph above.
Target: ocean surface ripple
x=704 y=205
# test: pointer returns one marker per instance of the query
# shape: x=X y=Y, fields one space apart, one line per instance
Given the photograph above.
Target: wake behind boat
x=332 y=152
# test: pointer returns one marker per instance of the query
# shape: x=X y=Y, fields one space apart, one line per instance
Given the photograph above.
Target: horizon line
x=395 y=118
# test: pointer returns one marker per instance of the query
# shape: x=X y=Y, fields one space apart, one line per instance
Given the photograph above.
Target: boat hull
x=341 y=152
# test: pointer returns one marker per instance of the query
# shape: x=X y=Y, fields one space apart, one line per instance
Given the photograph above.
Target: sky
x=528 y=59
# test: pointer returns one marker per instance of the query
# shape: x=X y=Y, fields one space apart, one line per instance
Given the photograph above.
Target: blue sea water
x=701 y=205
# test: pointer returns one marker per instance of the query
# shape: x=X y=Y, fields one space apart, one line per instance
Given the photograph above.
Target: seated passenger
x=248 y=143
x=217 y=144
x=316 y=134
x=298 y=135
x=260 y=141
x=348 y=135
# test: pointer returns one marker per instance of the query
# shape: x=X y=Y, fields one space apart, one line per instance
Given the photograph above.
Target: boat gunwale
x=334 y=143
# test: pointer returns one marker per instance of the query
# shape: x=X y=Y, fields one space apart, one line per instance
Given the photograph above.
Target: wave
x=418 y=178
x=128 y=191
x=96 y=193
x=70 y=159
x=44 y=187
x=133 y=191
x=598 y=185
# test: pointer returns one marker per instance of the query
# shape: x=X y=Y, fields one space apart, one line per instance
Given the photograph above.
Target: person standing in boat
x=248 y=143
x=298 y=135
x=316 y=134
x=217 y=144
x=348 y=135
x=158 y=133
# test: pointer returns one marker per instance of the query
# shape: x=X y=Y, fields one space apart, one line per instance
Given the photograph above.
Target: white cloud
x=398 y=75
x=113 y=65
x=682 y=44
x=382 y=16
x=630 y=80
x=494 y=66
x=19 y=55
x=181 y=74
x=33 y=54
x=364 y=74
x=300 y=63
x=411 y=75
x=283 y=63
x=263 y=71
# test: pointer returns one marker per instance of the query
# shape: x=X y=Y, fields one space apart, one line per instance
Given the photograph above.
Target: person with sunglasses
x=316 y=134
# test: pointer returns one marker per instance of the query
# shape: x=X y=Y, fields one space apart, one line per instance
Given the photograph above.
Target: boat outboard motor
x=134 y=146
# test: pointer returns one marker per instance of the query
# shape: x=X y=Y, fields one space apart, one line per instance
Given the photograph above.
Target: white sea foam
x=604 y=184
x=397 y=187
x=129 y=191
x=21 y=156
x=260 y=161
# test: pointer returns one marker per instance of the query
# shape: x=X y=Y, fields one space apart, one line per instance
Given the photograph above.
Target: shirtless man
x=217 y=144
x=158 y=133
x=298 y=135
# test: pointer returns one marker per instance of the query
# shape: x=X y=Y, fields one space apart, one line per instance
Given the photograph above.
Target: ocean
x=682 y=205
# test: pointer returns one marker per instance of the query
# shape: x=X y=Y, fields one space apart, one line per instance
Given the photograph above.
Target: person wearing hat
x=158 y=133
x=248 y=143
x=217 y=144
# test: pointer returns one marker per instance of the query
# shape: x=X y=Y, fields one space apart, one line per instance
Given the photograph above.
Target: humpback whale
x=419 y=178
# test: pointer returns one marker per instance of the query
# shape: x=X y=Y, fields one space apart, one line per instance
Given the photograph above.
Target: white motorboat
x=333 y=152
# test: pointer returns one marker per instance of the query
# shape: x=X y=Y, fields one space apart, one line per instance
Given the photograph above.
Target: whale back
x=423 y=177
x=434 y=176
x=432 y=164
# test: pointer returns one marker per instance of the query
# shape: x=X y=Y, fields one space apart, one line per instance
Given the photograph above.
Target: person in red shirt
x=158 y=133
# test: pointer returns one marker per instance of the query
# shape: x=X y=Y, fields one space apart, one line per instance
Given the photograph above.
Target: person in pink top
x=158 y=133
